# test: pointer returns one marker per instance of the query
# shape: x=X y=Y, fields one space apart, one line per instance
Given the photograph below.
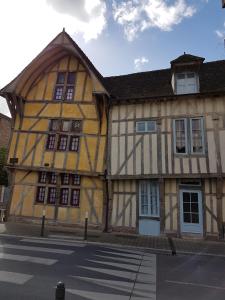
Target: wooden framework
x=136 y=156
x=31 y=101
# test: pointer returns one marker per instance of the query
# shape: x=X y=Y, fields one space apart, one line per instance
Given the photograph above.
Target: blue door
x=149 y=223
x=191 y=211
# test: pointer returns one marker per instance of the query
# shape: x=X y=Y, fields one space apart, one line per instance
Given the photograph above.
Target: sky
x=118 y=36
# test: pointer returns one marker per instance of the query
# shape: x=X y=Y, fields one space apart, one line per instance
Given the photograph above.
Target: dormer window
x=186 y=83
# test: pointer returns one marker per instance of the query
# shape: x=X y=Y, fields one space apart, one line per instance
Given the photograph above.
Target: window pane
x=62 y=145
x=71 y=78
x=51 y=142
x=195 y=218
x=58 y=93
x=194 y=207
x=52 y=195
x=186 y=207
x=64 y=196
x=194 y=197
x=42 y=177
x=52 y=178
x=197 y=136
x=61 y=78
x=76 y=179
x=180 y=134
x=151 y=125
x=65 y=178
x=140 y=126
x=75 y=198
x=69 y=93
x=180 y=76
x=190 y=75
x=76 y=125
x=65 y=125
x=187 y=217
x=54 y=125
x=74 y=143
x=40 y=194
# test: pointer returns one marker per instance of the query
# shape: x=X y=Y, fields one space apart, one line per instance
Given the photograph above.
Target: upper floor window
x=64 y=88
x=189 y=136
x=187 y=83
x=146 y=126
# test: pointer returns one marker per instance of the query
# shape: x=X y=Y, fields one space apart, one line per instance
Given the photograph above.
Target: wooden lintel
x=49 y=169
x=164 y=176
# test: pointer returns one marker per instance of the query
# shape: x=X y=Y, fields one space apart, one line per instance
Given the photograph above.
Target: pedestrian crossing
x=29 y=251
x=103 y=273
x=132 y=277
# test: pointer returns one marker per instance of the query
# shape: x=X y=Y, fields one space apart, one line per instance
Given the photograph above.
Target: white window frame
x=148 y=183
x=202 y=135
x=146 y=126
x=185 y=74
x=175 y=136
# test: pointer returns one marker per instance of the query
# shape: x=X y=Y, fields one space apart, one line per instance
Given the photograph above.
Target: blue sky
x=118 y=36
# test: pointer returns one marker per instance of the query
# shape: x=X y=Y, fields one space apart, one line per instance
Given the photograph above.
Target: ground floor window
x=149 y=198
x=65 y=191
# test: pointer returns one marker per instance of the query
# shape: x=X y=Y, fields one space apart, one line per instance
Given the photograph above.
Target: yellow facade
x=29 y=139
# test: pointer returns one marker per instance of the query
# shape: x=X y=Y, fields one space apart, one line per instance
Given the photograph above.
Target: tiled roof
x=158 y=83
x=185 y=58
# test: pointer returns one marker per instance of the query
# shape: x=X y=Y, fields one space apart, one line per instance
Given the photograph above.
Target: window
x=76 y=179
x=64 y=196
x=75 y=198
x=76 y=125
x=186 y=83
x=52 y=178
x=180 y=136
x=69 y=194
x=74 y=143
x=65 y=179
x=51 y=142
x=146 y=126
x=54 y=125
x=189 y=136
x=52 y=195
x=62 y=144
x=64 y=89
x=149 y=198
x=40 y=194
x=196 y=129
x=42 y=177
x=66 y=125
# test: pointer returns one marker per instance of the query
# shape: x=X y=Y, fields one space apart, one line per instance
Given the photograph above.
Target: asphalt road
x=31 y=267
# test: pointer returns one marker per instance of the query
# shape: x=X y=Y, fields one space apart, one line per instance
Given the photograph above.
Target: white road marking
x=134 y=256
x=196 y=284
x=38 y=249
x=98 y=296
x=53 y=242
x=123 y=286
x=122 y=274
x=117 y=265
x=12 y=277
x=123 y=259
x=31 y=259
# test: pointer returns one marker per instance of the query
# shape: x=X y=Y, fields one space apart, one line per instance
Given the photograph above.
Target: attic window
x=64 y=88
x=187 y=83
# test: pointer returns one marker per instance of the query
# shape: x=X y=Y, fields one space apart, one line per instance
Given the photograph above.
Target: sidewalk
x=159 y=244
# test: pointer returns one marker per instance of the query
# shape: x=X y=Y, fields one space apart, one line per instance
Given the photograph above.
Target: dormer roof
x=186 y=59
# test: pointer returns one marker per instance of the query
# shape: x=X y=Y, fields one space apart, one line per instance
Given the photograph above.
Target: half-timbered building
x=167 y=149
x=57 y=150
